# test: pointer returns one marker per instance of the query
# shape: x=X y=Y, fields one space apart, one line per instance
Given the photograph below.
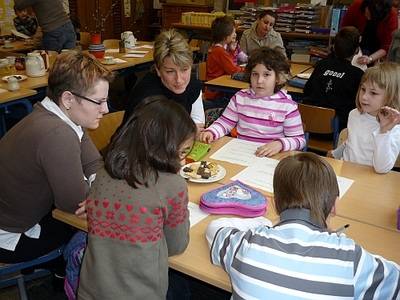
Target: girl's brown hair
x=273 y=60
x=149 y=141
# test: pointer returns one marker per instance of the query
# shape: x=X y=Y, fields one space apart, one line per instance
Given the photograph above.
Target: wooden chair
x=52 y=56
x=307 y=136
x=109 y=123
x=111 y=44
x=320 y=120
x=85 y=40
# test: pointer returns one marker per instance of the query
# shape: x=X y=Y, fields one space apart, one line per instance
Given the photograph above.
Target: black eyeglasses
x=98 y=102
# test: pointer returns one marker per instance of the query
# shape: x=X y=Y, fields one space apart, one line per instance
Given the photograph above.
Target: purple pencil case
x=234 y=198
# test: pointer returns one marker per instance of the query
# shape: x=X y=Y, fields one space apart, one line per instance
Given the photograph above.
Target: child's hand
x=269 y=149
x=206 y=137
x=329 y=154
x=81 y=212
x=388 y=118
x=233 y=45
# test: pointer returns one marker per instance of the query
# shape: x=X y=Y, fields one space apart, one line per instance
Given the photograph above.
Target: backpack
x=73 y=254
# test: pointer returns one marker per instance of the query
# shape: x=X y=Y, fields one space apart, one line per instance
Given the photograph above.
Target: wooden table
x=8 y=97
x=18 y=46
x=228 y=85
x=131 y=65
x=366 y=231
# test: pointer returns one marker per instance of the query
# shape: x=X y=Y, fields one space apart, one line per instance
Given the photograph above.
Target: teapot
x=129 y=38
x=13 y=84
x=35 y=65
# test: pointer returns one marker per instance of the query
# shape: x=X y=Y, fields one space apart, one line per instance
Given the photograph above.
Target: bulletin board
x=6 y=16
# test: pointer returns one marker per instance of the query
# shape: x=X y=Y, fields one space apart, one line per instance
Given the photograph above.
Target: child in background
x=24 y=23
x=264 y=112
x=219 y=61
x=239 y=57
x=373 y=137
x=299 y=258
x=334 y=82
x=138 y=208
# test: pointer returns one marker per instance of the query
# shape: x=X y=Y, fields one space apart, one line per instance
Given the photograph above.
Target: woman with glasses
x=48 y=159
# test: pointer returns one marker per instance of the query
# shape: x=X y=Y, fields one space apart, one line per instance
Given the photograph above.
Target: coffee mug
x=29 y=41
x=109 y=59
x=4 y=62
x=11 y=60
x=7 y=44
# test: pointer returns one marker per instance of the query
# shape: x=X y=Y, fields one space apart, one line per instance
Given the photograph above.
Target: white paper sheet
x=145 y=46
x=196 y=214
x=112 y=51
x=137 y=52
x=355 y=63
x=238 y=151
x=119 y=61
x=134 y=55
x=261 y=175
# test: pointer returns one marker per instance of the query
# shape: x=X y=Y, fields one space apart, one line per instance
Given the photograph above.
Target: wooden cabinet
x=172 y=12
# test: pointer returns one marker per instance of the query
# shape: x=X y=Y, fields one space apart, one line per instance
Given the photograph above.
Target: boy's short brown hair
x=221 y=27
x=347 y=40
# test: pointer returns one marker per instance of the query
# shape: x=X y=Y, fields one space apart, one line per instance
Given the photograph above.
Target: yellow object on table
x=5 y=70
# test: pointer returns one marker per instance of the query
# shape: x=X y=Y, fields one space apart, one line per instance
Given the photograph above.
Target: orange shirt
x=219 y=62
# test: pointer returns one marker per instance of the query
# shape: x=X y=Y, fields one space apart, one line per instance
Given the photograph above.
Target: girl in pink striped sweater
x=263 y=113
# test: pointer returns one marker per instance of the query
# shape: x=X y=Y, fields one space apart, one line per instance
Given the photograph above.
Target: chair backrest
x=109 y=123
x=85 y=40
x=307 y=136
x=111 y=44
x=10 y=273
x=342 y=136
x=320 y=120
x=202 y=71
x=317 y=119
x=52 y=56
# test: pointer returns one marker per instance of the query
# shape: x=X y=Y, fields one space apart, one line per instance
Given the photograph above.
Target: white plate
x=221 y=174
x=19 y=77
x=304 y=75
x=108 y=63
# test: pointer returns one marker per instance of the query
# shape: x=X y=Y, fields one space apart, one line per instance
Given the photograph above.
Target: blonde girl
x=373 y=137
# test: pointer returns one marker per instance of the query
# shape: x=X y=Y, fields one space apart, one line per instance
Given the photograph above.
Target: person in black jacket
x=334 y=82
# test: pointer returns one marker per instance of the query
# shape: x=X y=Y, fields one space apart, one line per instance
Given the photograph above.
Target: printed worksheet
x=196 y=214
x=261 y=175
x=238 y=151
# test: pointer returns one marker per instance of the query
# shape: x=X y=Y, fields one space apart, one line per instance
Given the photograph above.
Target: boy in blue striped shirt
x=299 y=258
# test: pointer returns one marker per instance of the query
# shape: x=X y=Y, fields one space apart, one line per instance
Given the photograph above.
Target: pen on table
x=341 y=228
x=306 y=69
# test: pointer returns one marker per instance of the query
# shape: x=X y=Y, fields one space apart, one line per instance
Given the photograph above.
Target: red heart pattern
x=140 y=220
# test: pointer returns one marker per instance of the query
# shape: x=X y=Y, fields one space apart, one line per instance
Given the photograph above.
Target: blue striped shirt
x=299 y=260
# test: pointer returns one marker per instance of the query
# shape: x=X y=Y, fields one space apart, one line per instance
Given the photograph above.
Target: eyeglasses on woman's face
x=98 y=102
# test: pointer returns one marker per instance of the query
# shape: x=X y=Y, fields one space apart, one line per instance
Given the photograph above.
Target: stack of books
x=307 y=17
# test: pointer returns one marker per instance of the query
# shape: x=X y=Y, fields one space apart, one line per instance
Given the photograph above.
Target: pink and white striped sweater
x=262 y=120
